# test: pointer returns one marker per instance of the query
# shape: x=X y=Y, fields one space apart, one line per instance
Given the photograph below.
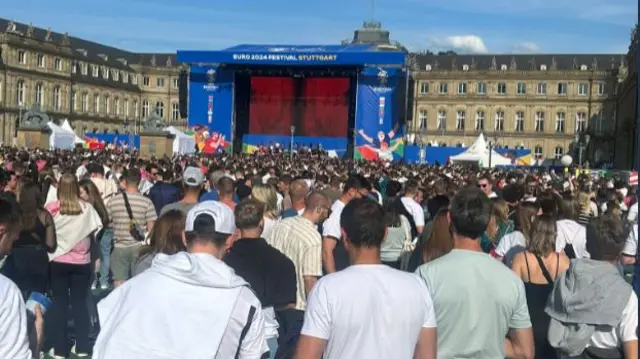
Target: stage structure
x=333 y=96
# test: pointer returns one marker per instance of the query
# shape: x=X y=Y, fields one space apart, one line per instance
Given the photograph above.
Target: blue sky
x=470 y=26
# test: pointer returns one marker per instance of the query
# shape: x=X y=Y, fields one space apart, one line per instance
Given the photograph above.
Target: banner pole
x=355 y=114
x=232 y=135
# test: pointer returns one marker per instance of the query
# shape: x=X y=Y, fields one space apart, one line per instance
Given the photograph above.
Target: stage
x=338 y=97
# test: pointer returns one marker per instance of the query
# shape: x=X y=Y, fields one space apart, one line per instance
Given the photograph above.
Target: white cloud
x=526 y=47
x=471 y=44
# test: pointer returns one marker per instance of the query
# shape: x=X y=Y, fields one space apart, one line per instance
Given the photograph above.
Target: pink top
x=80 y=254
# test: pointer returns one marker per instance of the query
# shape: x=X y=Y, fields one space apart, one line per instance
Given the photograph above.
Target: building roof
x=520 y=62
x=95 y=53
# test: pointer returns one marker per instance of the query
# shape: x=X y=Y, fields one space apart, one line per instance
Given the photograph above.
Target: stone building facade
x=96 y=87
x=540 y=102
x=626 y=127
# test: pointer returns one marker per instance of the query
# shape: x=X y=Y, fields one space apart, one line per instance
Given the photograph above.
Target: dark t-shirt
x=270 y=273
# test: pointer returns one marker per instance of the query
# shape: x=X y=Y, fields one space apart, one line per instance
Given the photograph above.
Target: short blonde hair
x=266 y=194
x=68 y=195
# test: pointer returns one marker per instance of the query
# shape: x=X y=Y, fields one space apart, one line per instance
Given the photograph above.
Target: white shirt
x=631 y=245
x=14 y=342
x=415 y=210
x=572 y=232
x=331 y=227
x=633 y=213
x=510 y=241
x=369 y=312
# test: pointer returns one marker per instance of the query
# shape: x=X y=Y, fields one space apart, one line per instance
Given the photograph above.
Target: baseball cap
x=210 y=217
x=193 y=176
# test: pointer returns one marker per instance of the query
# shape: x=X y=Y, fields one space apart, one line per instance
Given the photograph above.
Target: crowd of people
x=276 y=256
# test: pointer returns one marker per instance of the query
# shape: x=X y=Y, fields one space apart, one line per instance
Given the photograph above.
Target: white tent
x=60 y=138
x=479 y=153
x=183 y=143
x=67 y=127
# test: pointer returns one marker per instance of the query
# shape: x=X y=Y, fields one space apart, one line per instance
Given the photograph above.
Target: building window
x=460 y=120
x=502 y=88
x=581 y=121
x=537 y=152
x=499 y=125
x=39 y=95
x=176 y=84
x=560 y=122
x=160 y=108
x=116 y=102
x=422 y=117
x=601 y=88
x=57 y=101
x=57 y=64
x=480 y=121
x=519 y=121
x=74 y=101
x=96 y=103
x=559 y=152
x=562 y=88
x=20 y=93
x=116 y=75
x=134 y=79
x=125 y=77
x=424 y=87
x=442 y=120
x=462 y=88
x=146 y=81
x=482 y=88
x=85 y=69
x=106 y=104
x=145 y=109
x=539 y=121
x=522 y=88
x=85 y=102
x=105 y=72
x=541 y=89
x=444 y=88
x=94 y=70
x=22 y=57
x=160 y=82
x=175 y=111
x=126 y=107
x=583 y=89
x=74 y=67
x=40 y=61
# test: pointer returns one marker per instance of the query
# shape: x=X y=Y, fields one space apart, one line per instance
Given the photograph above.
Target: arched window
x=39 y=92
x=538 y=152
x=160 y=108
x=145 y=108
x=20 y=93
x=57 y=100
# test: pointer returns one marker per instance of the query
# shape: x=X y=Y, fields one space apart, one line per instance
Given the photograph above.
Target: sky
x=465 y=26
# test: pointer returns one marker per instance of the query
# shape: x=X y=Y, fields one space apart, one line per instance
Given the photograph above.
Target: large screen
x=316 y=106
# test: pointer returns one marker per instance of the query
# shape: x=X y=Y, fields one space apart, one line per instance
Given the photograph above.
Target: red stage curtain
x=326 y=109
x=271 y=107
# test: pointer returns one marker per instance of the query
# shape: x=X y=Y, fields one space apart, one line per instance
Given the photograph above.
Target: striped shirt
x=298 y=238
x=143 y=212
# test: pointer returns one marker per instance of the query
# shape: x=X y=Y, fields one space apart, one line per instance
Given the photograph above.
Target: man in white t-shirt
x=411 y=202
x=368 y=310
x=334 y=257
x=15 y=340
x=630 y=249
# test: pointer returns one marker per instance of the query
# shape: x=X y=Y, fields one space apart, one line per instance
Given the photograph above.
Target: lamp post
x=491 y=145
x=581 y=141
x=293 y=130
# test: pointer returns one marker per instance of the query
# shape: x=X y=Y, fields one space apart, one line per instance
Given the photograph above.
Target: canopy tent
x=67 y=127
x=60 y=138
x=183 y=143
x=479 y=153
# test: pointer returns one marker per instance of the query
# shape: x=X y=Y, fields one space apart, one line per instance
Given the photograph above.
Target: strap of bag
x=127 y=205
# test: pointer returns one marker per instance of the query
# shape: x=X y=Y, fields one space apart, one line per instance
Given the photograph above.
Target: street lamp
x=491 y=145
x=581 y=141
x=293 y=130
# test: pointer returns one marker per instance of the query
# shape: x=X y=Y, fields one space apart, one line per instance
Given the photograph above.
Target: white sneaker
x=94 y=285
x=104 y=286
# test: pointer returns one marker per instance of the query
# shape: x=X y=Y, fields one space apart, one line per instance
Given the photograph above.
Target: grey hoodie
x=589 y=294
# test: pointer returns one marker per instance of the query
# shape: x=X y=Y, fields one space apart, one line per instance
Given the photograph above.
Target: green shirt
x=476 y=300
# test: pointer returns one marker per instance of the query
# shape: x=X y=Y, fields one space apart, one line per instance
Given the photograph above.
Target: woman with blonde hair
x=165 y=237
x=499 y=225
x=76 y=221
x=588 y=209
x=266 y=195
x=439 y=242
x=538 y=267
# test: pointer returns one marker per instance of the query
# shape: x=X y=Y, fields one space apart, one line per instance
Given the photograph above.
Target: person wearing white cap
x=193 y=180
x=187 y=305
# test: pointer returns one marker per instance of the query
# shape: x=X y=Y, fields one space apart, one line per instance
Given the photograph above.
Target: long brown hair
x=166 y=235
x=30 y=201
x=525 y=214
x=543 y=235
x=95 y=199
x=440 y=241
x=69 y=195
